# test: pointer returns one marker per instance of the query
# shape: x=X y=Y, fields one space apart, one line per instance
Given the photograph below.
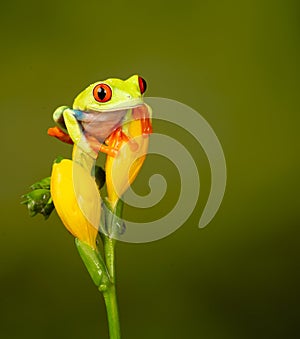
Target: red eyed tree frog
x=100 y=110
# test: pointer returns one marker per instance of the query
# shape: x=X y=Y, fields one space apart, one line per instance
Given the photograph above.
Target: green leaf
x=43 y=184
x=39 y=201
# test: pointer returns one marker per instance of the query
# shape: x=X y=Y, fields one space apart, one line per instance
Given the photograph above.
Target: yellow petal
x=76 y=200
x=122 y=170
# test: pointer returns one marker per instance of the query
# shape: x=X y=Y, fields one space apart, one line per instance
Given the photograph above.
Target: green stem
x=110 y=299
x=109 y=293
x=109 y=251
x=110 y=296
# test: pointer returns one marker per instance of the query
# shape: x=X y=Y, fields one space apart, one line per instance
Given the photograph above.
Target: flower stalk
x=110 y=299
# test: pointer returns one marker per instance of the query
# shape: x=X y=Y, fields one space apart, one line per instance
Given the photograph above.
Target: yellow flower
x=121 y=170
x=76 y=200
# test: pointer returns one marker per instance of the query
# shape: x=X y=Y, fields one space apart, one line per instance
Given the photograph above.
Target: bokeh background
x=235 y=62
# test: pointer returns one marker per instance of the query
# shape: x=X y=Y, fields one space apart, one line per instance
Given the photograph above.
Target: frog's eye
x=143 y=85
x=102 y=93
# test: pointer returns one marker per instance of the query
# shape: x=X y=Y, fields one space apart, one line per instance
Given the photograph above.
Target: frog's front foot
x=113 y=143
x=108 y=150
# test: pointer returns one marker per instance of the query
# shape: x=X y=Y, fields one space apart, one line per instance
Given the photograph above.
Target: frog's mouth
x=111 y=108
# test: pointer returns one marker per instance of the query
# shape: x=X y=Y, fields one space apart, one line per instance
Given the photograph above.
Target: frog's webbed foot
x=76 y=133
x=114 y=142
x=108 y=150
x=143 y=113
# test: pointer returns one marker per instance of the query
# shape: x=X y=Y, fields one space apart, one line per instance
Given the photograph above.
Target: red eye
x=102 y=93
x=143 y=85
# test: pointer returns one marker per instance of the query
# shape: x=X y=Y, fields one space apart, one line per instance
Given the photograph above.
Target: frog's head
x=111 y=95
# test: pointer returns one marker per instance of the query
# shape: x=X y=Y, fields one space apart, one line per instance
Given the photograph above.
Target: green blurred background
x=237 y=63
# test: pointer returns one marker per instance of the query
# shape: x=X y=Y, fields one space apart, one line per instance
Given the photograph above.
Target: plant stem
x=109 y=252
x=110 y=296
x=110 y=299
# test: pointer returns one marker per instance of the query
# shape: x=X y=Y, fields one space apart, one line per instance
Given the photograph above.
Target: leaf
x=39 y=201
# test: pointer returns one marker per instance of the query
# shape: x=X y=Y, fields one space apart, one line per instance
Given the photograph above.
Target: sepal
x=39 y=201
x=42 y=184
x=94 y=263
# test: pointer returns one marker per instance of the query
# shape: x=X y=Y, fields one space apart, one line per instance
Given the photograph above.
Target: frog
x=98 y=113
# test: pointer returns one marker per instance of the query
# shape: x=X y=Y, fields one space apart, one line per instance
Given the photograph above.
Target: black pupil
x=101 y=93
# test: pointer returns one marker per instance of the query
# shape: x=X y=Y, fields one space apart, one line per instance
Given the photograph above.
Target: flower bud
x=76 y=200
x=122 y=169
